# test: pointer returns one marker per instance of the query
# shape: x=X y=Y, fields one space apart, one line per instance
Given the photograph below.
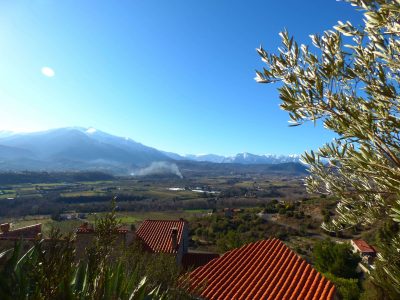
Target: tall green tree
x=337 y=259
x=349 y=81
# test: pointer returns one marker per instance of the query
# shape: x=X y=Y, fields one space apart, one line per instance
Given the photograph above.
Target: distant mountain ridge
x=78 y=148
x=74 y=148
x=240 y=158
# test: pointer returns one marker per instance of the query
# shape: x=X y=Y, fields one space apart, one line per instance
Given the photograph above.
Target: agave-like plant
x=22 y=277
x=14 y=282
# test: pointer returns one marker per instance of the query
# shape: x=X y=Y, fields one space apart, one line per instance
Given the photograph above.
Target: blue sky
x=174 y=75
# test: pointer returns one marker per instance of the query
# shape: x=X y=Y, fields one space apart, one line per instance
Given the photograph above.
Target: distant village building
x=86 y=233
x=155 y=236
x=68 y=216
x=265 y=269
x=9 y=236
x=165 y=236
x=171 y=236
x=72 y=216
x=27 y=232
x=366 y=251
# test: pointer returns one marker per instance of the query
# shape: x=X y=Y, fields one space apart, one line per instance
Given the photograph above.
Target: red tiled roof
x=156 y=234
x=196 y=259
x=265 y=269
x=123 y=229
x=28 y=232
x=85 y=228
x=364 y=246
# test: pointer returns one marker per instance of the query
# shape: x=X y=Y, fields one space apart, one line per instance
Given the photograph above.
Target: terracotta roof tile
x=85 y=228
x=156 y=234
x=123 y=229
x=364 y=246
x=265 y=269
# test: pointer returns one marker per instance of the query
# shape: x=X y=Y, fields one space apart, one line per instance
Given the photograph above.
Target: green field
x=125 y=218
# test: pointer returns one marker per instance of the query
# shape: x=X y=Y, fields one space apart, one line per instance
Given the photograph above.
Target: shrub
x=347 y=289
x=338 y=259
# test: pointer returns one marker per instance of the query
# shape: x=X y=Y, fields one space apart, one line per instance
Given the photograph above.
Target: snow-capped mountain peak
x=249 y=158
x=91 y=130
x=240 y=158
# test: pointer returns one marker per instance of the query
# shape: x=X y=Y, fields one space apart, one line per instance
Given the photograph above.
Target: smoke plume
x=159 y=168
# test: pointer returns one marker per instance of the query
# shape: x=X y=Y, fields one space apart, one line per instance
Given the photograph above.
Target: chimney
x=5 y=227
x=174 y=237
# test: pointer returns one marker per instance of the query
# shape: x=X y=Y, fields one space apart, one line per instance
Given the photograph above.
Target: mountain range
x=240 y=158
x=77 y=148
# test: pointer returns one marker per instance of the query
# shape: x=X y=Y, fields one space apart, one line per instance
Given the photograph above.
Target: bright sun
x=48 y=72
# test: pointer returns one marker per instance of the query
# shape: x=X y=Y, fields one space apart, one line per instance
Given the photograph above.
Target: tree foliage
x=349 y=81
x=389 y=261
x=337 y=259
x=347 y=288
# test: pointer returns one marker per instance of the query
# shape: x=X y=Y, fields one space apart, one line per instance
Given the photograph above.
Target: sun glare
x=48 y=72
